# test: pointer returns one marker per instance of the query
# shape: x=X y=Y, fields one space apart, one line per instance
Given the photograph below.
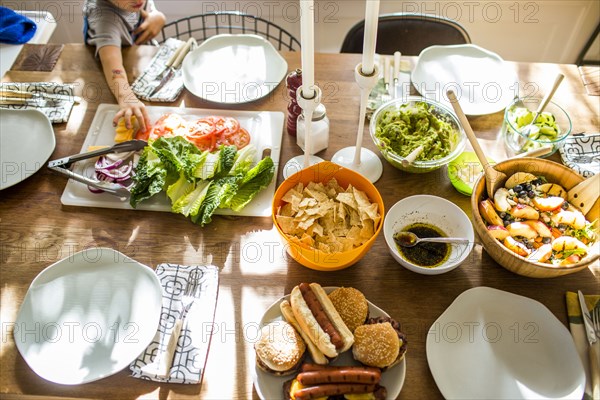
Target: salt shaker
x=319 y=133
x=293 y=82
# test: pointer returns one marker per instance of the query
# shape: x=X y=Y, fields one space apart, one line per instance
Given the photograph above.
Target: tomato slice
x=227 y=126
x=205 y=133
x=201 y=127
x=167 y=125
x=241 y=139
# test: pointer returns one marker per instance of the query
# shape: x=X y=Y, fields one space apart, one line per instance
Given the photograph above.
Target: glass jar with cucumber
x=522 y=134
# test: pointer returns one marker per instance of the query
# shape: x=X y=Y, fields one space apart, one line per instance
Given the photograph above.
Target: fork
x=162 y=364
x=595 y=353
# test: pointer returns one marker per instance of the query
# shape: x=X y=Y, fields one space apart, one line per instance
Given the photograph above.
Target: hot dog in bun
x=316 y=354
x=319 y=320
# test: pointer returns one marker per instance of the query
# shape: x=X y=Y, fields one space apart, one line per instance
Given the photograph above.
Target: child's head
x=129 y=5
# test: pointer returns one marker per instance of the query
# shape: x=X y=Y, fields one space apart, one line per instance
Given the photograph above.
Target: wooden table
x=36 y=231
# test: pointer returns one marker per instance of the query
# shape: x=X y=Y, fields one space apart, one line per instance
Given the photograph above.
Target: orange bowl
x=323 y=172
x=554 y=173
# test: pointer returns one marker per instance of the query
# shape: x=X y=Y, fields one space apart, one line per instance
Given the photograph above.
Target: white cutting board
x=265 y=128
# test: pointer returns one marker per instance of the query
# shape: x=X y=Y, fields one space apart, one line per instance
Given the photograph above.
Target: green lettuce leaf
x=255 y=180
x=190 y=203
x=215 y=194
x=243 y=160
x=180 y=188
x=149 y=178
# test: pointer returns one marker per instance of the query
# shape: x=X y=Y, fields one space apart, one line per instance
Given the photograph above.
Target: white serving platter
x=265 y=128
x=482 y=81
x=492 y=344
x=233 y=69
x=88 y=316
x=26 y=142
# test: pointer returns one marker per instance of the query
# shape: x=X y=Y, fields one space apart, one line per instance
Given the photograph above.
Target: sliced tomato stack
x=206 y=133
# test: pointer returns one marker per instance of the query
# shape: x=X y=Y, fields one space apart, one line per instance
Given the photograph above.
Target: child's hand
x=128 y=109
x=152 y=23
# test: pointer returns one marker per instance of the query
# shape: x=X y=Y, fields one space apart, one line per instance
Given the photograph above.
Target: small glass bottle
x=293 y=82
x=319 y=134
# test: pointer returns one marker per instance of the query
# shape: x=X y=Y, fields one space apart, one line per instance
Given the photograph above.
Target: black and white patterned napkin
x=145 y=84
x=194 y=340
x=57 y=110
x=582 y=154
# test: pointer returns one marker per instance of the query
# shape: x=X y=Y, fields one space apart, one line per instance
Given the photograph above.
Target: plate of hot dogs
x=325 y=343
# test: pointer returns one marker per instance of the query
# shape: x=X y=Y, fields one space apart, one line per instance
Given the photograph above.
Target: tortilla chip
x=348 y=199
x=328 y=217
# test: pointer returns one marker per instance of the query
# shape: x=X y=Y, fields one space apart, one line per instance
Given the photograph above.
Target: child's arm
x=153 y=22
x=114 y=72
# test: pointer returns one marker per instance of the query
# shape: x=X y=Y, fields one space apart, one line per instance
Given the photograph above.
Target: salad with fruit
x=532 y=218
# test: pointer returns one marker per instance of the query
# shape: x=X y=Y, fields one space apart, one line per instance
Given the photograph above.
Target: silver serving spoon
x=409 y=239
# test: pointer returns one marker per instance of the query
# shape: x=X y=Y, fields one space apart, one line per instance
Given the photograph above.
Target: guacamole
x=412 y=125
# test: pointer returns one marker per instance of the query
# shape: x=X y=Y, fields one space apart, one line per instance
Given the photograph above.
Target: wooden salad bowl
x=554 y=173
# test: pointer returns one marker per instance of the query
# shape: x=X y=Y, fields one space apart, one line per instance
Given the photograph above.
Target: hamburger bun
x=376 y=345
x=352 y=306
x=280 y=349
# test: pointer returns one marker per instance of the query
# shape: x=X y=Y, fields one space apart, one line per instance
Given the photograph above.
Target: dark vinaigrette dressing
x=425 y=254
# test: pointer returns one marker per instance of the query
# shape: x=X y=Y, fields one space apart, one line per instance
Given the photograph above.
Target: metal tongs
x=62 y=166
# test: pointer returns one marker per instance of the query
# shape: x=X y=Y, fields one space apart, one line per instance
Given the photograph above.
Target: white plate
x=491 y=344
x=483 y=83
x=271 y=387
x=265 y=128
x=26 y=142
x=233 y=69
x=88 y=316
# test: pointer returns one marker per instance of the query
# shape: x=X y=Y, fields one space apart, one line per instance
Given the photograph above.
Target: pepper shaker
x=293 y=82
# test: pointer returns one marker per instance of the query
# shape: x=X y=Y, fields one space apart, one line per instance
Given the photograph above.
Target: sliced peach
x=548 y=203
x=489 y=213
x=572 y=259
x=524 y=211
x=498 y=232
x=574 y=219
x=542 y=254
x=541 y=228
x=552 y=189
x=521 y=229
x=516 y=247
x=501 y=200
x=518 y=178
x=566 y=243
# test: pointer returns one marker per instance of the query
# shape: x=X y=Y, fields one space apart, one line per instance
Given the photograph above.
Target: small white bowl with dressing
x=438 y=213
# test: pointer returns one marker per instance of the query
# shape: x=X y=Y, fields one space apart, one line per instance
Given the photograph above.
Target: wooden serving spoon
x=584 y=194
x=493 y=178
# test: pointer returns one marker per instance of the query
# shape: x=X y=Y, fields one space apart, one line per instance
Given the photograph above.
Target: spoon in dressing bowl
x=409 y=239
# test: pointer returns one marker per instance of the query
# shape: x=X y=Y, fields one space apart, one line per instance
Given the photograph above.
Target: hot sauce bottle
x=293 y=82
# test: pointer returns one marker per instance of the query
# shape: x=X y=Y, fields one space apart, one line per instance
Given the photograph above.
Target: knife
x=594 y=349
x=172 y=64
x=22 y=94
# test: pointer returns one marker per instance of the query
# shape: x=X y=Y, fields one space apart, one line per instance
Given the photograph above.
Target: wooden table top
x=36 y=231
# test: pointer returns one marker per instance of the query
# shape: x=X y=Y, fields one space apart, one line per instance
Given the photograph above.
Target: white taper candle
x=370 y=39
x=307 y=39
